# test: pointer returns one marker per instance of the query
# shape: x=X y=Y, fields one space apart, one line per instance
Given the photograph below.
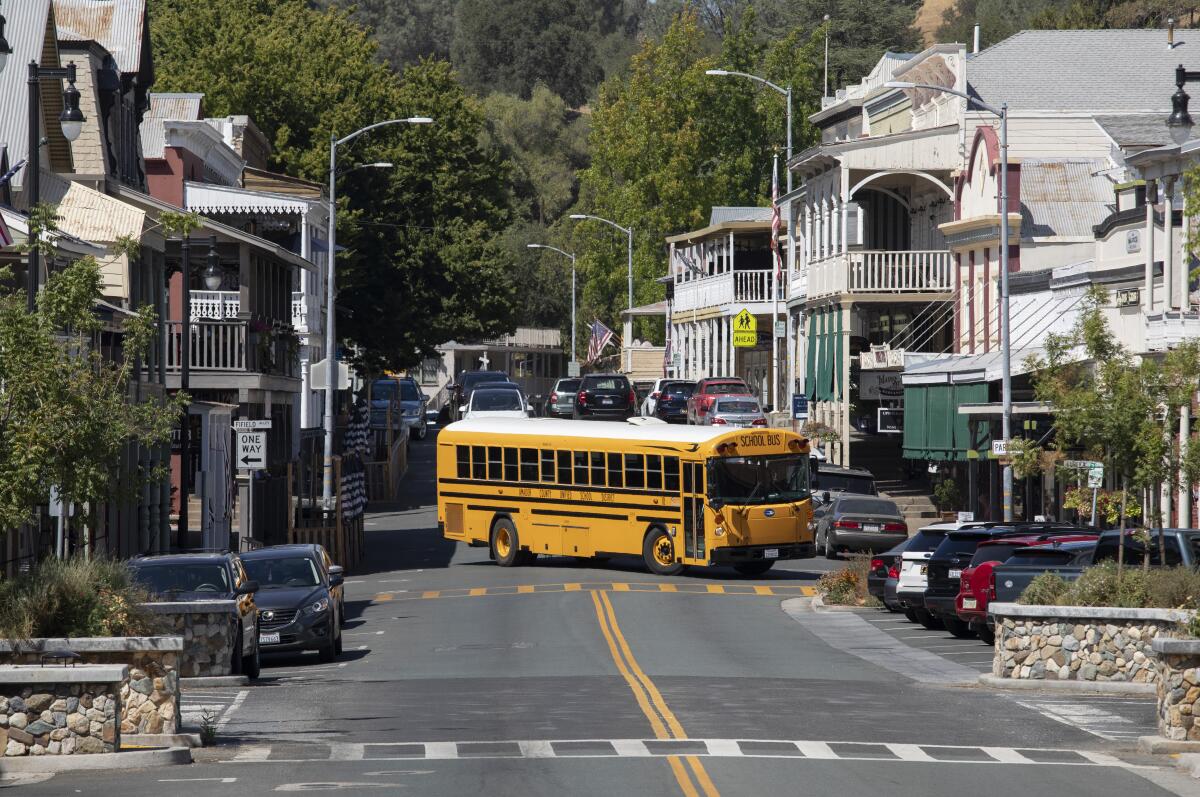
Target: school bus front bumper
x=737 y=554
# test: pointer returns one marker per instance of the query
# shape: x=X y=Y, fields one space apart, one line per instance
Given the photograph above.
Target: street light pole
x=568 y=254
x=331 y=294
x=628 y=231
x=1005 y=320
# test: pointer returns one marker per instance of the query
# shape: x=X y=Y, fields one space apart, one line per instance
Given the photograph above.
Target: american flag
x=776 y=221
x=601 y=337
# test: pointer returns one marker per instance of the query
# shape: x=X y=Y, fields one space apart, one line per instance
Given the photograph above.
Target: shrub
x=1098 y=586
x=74 y=597
x=1045 y=590
x=1175 y=588
x=848 y=586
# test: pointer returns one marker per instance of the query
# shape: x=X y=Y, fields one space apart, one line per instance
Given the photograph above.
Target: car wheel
x=911 y=614
x=830 y=549
x=658 y=551
x=337 y=641
x=422 y=432
x=328 y=651
x=342 y=615
x=235 y=665
x=928 y=620
x=756 y=568
x=958 y=628
x=252 y=664
x=986 y=635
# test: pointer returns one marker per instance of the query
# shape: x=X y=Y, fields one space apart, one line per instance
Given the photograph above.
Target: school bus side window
x=635 y=476
x=495 y=470
x=548 y=466
x=581 y=467
x=671 y=474
x=564 y=467
x=510 y=465
x=597 y=468
x=653 y=472
x=478 y=462
x=529 y=464
x=614 y=470
x=463 y=454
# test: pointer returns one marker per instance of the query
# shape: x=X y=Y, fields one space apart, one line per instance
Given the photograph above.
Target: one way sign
x=252 y=450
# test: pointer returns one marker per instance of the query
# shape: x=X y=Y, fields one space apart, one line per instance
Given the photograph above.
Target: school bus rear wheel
x=658 y=550
x=506 y=544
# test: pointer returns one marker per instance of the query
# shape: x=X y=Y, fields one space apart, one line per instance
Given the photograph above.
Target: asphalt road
x=463 y=678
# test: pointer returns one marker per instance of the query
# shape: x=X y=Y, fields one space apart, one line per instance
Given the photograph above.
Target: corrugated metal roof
x=116 y=25
x=26 y=31
x=89 y=214
x=175 y=106
x=723 y=215
x=1083 y=70
x=1064 y=197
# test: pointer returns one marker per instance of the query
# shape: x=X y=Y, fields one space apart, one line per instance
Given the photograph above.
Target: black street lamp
x=5 y=48
x=211 y=274
x=71 y=119
x=1180 y=121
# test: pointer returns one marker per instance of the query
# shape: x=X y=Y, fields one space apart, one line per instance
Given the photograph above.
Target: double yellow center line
x=650 y=700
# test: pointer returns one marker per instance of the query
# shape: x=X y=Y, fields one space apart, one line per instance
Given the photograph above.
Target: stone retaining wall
x=209 y=632
x=1080 y=643
x=149 y=693
x=60 y=710
x=1178 y=665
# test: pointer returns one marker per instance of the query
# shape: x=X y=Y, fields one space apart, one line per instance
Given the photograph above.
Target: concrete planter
x=150 y=690
x=1178 y=665
x=209 y=632
x=1079 y=643
x=52 y=711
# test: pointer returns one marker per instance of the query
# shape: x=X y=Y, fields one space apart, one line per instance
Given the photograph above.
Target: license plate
x=268 y=639
x=969 y=603
x=870 y=527
x=606 y=401
x=771 y=553
x=955 y=573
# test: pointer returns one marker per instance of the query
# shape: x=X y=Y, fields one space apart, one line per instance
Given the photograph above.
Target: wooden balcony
x=226 y=347
x=882 y=272
x=732 y=287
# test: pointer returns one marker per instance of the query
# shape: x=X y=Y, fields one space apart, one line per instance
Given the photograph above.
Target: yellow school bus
x=676 y=495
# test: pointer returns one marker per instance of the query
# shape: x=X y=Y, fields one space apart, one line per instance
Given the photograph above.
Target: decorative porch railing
x=216 y=305
x=736 y=287
x=229 y=346
x=918 y=271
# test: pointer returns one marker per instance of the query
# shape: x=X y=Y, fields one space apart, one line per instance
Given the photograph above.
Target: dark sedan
x=603 y=396
x=884 y=575
x=860 y=523
x=671 y=404
x=298 y=606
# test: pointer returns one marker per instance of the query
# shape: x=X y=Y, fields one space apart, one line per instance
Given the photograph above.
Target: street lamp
x=357 y=166
x=5 y=48
x=629 y=232
x=1179 y=123
x=331 y=293
x=211 y=275
x=787 y=95
x=1005 y=321
x=71 y=119
x=567 y=254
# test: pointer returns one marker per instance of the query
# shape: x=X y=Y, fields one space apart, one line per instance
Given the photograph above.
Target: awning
x=934 y=429
x=967 y=368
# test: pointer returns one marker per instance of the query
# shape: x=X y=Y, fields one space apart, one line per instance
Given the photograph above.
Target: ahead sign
x=252 y=450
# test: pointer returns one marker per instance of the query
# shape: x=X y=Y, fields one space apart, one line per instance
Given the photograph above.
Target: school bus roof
x=610 y=430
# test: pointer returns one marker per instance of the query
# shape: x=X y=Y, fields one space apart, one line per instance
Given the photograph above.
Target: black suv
x=954 y=554
x=605 y=396
x=209 y=575
x=460 y=391
x=671 y=404
x=300 y=603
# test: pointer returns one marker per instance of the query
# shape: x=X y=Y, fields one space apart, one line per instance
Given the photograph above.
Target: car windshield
x=409 y=392
x=608 y=383
x=1048 y=558
x=763 y=479
x=737 y=405
x=496 y=400
x=291 y=571
x=845 y=482
x=679 y=389
x=567 y=386
x=183 y=577
x=867 y=506
x=383 y=390
x=954 y=543
x=926 y=540
x=737 y=388
x=994 y=553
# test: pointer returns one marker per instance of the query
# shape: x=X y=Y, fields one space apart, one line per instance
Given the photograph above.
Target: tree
x=66 y=412
x=407 y=31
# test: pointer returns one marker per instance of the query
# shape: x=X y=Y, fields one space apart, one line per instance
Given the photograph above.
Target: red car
x=707 y=390
x=975 y=584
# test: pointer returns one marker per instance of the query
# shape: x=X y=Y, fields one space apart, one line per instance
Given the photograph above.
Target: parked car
x=742 y=411
x=975 y=583
x=403 y=398
x=562 y=399
x=911 y=583
x=833 y=479
x=209 y=575
x=859 y=523
x=651 y=400
x=326 y=565
x=603 y=396
x=954 y=554
x=884 y=575
x=467 y=381
x=1008 y=579
x=641 y=390
x=497 y=401
x=706 y=393
x=298 y=601
x=671 y=403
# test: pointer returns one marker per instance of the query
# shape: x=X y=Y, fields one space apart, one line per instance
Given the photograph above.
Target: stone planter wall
x=1178 y=665
x=60 y=710
x=1079 y=643
x=150 y=692
x=209 y=631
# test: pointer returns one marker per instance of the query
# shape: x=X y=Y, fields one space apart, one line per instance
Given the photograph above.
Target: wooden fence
x=342 y=535
x=384 y=475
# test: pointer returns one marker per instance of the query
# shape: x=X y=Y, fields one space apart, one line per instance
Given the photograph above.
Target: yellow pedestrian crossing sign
x=745 y=329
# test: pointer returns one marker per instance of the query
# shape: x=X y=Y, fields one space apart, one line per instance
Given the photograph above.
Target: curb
x=1190 y=764
x=161 y=740
x=94 y=762
x=215 y=680
x=1076 y=687
x=1161 y=745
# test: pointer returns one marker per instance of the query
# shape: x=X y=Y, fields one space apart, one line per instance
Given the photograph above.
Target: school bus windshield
x=764 y=479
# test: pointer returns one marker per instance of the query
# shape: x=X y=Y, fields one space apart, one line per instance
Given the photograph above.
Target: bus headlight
x=719 y=531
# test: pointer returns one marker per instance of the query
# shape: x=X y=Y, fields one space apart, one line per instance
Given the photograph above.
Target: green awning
x=825 y=359
x=933 y=429
x=810 y=372
x=839 y=389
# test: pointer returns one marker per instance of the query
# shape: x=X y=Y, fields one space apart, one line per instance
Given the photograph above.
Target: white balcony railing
x=217 y=305
x=216 y=346
x=881 y=272
x=1167 y=330
x=736 y=287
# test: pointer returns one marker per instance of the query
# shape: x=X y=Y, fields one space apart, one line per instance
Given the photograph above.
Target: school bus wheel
x=506 y=545
x=658 y=551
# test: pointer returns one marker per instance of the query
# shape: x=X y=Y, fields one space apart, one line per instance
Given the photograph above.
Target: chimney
x=975 y=49
x=1170 y=33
